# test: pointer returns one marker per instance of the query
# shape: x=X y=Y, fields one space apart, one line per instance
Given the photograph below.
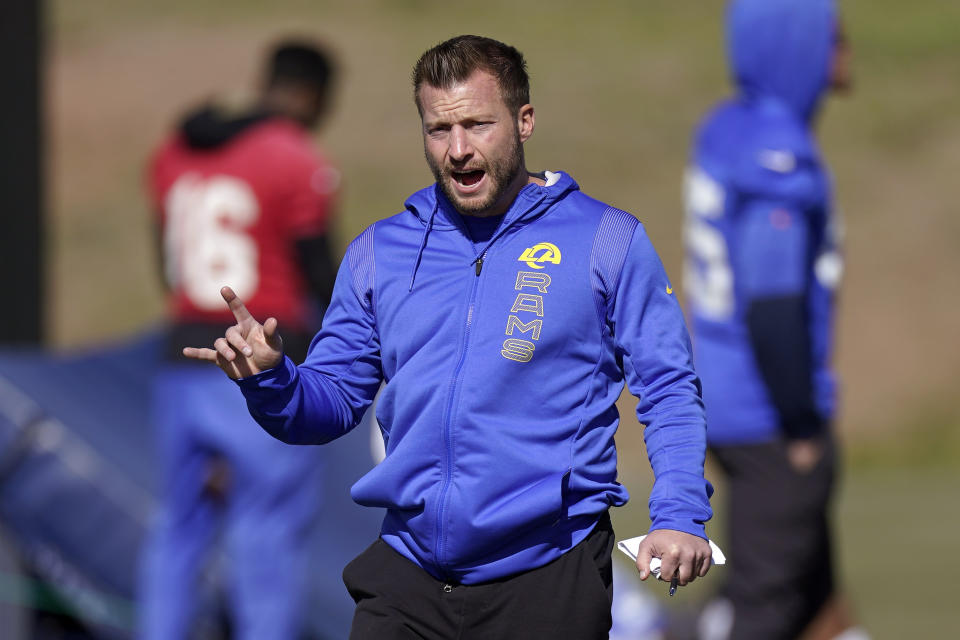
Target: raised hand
x=247 y=348
x=681 y=554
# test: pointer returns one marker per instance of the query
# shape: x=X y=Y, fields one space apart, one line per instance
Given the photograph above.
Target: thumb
x=643 y=561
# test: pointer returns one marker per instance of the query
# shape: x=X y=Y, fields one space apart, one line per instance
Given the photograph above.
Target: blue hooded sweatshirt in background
x=760 y=233
x=502 y=366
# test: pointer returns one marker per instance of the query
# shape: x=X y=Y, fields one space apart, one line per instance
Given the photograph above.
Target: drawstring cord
x=423 y=243
x=429 y=227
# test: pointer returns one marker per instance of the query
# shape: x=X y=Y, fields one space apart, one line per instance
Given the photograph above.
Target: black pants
x=567 y=598
x=781 y=571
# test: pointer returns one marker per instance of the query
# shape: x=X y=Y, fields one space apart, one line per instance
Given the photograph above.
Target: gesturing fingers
x=236 y=305
x=247 y=348
x=208 y=355
x=236 y=340
x=271 y=335
x=224 y=349
x=212 y=355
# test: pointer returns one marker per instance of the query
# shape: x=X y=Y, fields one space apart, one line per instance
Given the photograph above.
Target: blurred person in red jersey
x=242 y=197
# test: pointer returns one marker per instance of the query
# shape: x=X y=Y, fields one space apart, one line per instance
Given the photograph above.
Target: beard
x=501 y=172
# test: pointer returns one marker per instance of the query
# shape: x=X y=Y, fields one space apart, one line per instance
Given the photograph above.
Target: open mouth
x=468 y=178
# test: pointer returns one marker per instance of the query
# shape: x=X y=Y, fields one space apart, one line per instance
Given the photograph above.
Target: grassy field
x=897 y=549
x=618 y=87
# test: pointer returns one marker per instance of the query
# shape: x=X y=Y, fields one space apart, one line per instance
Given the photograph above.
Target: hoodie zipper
x=440 y=545
x=441 y=538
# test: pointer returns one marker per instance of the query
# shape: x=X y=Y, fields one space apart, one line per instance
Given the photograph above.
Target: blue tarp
x=78 y=479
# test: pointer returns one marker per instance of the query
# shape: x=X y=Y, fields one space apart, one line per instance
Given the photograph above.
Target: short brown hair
x=456 y=59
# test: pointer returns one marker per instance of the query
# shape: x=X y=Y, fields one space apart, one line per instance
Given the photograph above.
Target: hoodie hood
x=782 y=49
x=210 y=126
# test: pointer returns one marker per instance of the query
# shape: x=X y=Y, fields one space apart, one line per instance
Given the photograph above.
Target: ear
x=525 y=122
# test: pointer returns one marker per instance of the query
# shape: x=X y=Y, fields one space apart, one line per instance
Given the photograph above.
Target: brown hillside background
x=618 y=87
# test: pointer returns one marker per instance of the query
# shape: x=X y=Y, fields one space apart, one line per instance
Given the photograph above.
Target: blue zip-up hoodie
x=759 y=220
x=501 y=369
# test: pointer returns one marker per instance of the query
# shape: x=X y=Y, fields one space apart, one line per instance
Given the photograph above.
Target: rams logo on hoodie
x=540 y=252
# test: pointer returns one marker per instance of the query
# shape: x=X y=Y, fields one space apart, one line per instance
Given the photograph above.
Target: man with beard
x=504 y=309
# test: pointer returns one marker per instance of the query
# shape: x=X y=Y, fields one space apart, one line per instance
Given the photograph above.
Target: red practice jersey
x=231 y=215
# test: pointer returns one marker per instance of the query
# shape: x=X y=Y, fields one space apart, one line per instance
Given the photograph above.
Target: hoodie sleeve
x=328 y=394
x=652 y=341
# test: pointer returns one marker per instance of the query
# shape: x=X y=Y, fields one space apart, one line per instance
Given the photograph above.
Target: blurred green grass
x=896 y=549
x=618 y=86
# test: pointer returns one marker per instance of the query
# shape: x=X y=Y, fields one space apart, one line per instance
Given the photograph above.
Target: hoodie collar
x=532 y=201
x=435 y=211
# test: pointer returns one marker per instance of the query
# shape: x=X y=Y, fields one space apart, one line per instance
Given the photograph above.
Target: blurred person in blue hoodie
x=504 y=309
x=763 y=264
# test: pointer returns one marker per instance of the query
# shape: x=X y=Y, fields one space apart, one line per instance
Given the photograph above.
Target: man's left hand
x=683 y=554
x=804 y=454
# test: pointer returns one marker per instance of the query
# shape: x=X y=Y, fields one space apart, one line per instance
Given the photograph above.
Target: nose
x=460 y=148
